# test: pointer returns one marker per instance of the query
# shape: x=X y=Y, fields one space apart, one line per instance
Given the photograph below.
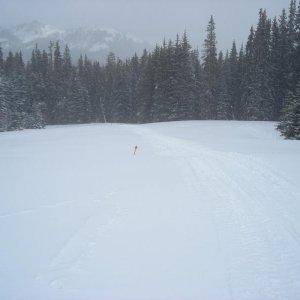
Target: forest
x=257 y=81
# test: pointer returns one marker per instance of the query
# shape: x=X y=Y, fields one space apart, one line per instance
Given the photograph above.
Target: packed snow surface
x=205 y=210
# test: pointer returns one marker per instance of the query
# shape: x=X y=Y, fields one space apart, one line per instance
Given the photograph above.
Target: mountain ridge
x=96 y=42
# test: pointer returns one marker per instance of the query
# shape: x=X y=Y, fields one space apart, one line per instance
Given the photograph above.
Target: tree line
x=258 y=81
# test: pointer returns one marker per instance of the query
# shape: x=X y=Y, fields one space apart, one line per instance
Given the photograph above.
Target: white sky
x=145 y=19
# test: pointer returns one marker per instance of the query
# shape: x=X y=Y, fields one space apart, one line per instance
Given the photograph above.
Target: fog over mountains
x=96 y=42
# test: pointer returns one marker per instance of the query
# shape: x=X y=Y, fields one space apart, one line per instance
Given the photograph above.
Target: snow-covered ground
x=205 y=210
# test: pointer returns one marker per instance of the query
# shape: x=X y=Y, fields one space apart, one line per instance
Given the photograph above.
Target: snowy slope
x=206 y=210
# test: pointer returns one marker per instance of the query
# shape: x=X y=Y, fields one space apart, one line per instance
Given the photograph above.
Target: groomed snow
x=205 y=210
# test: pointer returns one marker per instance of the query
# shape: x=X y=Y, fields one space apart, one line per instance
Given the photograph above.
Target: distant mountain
x=95 y=42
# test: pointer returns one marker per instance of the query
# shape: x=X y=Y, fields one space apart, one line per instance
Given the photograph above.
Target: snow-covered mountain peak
x=32 y=31
x=94 y=41
x=94 y=29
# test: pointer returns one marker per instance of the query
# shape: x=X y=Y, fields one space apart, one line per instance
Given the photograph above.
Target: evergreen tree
x=145 y=89
x=57 y=59
x=166 y=100
x=159 y=61
x=1 y=60
x=234 y=82
x=9 y=63
x=210 y=67
x=122 y=105
x=132 y=71
x=78 y=108
x=296 y=55
x=241 y=74
x=289 y=125
x=5 y=87
x=279 y=77
x=57 y=90
x=258 y=96
x=198 y=88
x=16 y=98
x=224 y=109
x=67 y=63
x=285 y=55
x=110 y=87
x=184 y=85
x=292 y=20
x=168 y=83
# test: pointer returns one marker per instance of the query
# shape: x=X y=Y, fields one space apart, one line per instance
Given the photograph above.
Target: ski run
x=203 y=210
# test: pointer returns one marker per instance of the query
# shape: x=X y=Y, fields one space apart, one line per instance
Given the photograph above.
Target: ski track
x=257 y=234
x=37 y=210
x=80 y=245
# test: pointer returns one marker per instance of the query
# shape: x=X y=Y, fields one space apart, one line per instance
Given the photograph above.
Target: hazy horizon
x=149 y=21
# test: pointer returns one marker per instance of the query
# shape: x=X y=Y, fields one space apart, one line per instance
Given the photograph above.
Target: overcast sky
x=150 y=20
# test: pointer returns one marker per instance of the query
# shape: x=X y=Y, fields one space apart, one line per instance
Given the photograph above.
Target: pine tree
x=289 y=125
x=145 y=89
x=285 y=55
x=9 y=63
x=184 y=85
x=241 y=75
x=296 y=56
x=166 y=101
x=35 y=94
x=67 y=63
x=210 y=67
x=110 y=87
x=1 y=60
x=5 y=87
x=234 y=82
x=78 y=108
x=222 y=91
x=17 y=102
x=258 y=96
x=292 y=20
x=58 y=95
x=132 y=71
x=198 y=97
x=277 y=75
x=159 y=63
x=122 y=106
x=57 y=59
